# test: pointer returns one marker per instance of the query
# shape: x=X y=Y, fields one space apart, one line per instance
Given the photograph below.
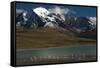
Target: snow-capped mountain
x=47 y=17
x=92 y=21
x=21 y=17
x=42 y=17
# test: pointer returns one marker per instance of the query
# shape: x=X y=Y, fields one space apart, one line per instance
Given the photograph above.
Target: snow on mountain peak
x=92 y=20
x=24 y=14
x=42 y=12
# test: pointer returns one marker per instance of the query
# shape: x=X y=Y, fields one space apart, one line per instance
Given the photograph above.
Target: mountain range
x=42 y=17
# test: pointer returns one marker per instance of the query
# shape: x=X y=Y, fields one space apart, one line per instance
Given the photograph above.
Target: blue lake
x=79 y=49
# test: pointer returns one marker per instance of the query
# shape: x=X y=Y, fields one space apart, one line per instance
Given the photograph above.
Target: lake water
x=58 y=51
x=76 y=51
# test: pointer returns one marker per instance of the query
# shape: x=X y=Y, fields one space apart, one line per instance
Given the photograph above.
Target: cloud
x=19 y=10
x=60 y=11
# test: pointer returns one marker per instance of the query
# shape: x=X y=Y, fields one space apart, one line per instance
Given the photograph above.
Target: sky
x=77 y=10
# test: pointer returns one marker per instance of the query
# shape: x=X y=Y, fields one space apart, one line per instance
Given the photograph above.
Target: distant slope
x=92 y=34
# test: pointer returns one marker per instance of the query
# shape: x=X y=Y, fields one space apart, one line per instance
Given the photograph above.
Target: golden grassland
x=46 y=37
